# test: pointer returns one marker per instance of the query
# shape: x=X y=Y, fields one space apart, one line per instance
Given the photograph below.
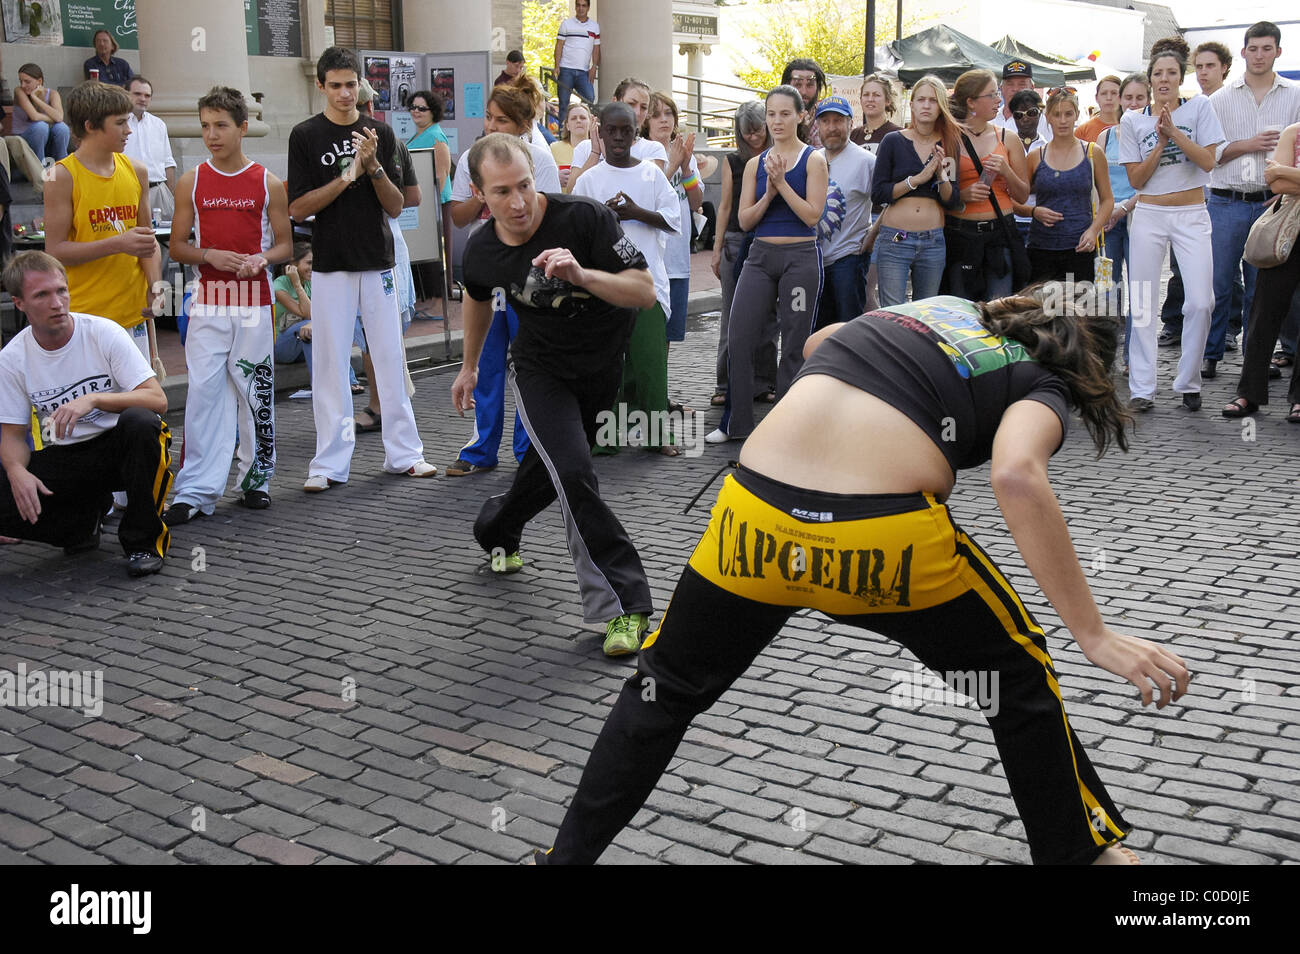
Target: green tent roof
x=947 y=53
x=1074 y=73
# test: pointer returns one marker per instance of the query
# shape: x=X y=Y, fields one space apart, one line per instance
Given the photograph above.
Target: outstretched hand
x=1142 y=663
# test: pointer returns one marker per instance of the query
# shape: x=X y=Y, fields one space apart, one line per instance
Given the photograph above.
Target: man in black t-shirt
x=343 y=170
x=576 y=282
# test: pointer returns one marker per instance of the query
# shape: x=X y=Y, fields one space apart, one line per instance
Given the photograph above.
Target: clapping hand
x=776 y=169
x=365 y=145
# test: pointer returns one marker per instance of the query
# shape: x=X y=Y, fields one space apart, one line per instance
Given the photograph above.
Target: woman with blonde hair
x=914 y=180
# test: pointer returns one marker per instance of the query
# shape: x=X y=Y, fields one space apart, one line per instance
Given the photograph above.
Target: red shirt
x=230 y=213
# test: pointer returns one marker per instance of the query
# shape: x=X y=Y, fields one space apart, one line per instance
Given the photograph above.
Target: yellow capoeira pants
x=895 y=564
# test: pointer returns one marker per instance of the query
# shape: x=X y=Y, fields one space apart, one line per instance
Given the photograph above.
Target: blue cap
x=835 y=104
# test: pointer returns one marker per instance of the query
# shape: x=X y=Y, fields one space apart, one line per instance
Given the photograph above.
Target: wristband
x=910 y=187
x=692 y=182
x=203 y=256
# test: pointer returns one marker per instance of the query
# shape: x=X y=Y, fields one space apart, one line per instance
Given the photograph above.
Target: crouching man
x=78 y=387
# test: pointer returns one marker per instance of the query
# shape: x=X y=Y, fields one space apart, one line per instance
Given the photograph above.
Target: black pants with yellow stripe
x=133 y=456
x=893 y=564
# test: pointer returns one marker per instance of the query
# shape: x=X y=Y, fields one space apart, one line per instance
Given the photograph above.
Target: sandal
x=1283 y=360
x=719 y=399
x=1240 y=407
x=1294 y=416
x=767 y=397
x=684 y=410
x=362 y=427
x=668 y=450
x=358 y=389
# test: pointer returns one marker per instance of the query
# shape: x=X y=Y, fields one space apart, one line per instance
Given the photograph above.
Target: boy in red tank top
x=239 y=213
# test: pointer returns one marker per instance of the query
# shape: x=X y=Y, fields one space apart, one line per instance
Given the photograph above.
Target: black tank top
x=934 y=361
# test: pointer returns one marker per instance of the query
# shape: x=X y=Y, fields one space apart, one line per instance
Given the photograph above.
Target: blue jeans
x=679 y=291
x=1117 y=252
x=48 y=142
x=566 y=81
x=844 y=290
x=922 y=255
x=1231 y=220
x=290 y=349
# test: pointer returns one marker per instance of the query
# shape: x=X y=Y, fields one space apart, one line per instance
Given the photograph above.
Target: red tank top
x=230 y=213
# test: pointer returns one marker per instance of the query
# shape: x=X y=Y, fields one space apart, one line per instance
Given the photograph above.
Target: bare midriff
x=827 y=435
x=1194 y=196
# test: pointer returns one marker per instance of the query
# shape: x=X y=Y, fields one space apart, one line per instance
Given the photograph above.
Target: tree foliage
x=542 y=20
x=829 y=31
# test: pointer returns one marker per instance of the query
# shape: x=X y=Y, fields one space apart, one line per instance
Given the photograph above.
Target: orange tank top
x=968 y=174
x=113 y=287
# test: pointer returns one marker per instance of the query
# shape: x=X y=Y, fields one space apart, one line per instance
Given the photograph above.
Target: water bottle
x=157 y=217
x=987 y=177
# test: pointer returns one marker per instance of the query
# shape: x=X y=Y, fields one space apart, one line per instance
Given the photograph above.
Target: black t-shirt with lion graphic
x=564 y=330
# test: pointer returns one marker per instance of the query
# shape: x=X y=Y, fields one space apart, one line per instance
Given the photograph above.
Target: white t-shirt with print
x=847 y=216
x=1175 y=172
x=647 y=186
x=99 y=358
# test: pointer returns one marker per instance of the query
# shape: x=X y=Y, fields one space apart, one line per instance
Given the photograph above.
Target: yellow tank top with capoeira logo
x=115 y=286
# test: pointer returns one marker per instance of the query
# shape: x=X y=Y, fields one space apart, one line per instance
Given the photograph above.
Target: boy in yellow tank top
x=97 y=217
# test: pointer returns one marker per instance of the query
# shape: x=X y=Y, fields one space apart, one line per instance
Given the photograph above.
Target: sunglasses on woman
x=1062 y=89
x=418 y=109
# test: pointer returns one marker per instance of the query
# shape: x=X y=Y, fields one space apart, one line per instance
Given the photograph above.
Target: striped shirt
x=580 y=38
x=1241 y=118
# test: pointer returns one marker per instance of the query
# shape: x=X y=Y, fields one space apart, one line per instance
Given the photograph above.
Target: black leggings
x=914 y=577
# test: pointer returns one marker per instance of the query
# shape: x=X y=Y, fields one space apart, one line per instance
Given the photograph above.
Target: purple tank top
x=780 y=220
x=1068 y=191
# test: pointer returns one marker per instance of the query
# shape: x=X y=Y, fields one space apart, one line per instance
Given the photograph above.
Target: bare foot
x=1117 y=855
x=8 y=540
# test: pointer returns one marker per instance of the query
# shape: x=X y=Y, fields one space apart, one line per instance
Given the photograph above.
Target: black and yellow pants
x=133 y=456
x=893 y=564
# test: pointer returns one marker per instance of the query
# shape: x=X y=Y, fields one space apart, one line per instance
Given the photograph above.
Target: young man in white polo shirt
x=577 y=54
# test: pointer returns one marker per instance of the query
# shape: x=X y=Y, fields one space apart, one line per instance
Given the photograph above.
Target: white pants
x=1152 y=229
x=228 y=354
x=336 y=298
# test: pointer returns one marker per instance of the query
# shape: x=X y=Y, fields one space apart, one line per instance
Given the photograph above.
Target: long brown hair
x=1073 y=343
x=521 y=100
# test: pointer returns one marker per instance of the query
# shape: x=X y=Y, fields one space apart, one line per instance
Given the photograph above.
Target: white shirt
x=99 y=358
x=1234 y=104
x=641 y=149
x=1038 y=141
x=647 y=186
x=847 y=216
x=149 y=145
x=580 y=38
x=1175 y=172
x=546 y=174
x=677 y=255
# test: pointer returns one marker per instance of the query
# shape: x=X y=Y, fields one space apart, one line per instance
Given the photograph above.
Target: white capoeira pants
x=229 y=357
x=1152 y=229
x=336 y=298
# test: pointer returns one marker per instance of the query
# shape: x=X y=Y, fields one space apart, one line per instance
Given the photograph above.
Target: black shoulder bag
x=1021 y=270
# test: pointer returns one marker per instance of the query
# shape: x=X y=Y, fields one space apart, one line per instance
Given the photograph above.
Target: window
x=365 y=24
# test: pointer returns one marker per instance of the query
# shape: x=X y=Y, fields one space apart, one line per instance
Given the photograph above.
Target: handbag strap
x=1101 y=236
x=993 y=199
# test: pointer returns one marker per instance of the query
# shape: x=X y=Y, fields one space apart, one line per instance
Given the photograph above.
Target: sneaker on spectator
x=463 y=468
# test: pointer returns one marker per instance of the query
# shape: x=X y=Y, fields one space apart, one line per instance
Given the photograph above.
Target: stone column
x=187 y=46
x=446 y=26
x=695 y=54
x=636 y=39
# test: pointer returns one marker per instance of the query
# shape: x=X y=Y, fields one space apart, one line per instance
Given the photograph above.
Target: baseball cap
x=1017 y=68
x=835 y=104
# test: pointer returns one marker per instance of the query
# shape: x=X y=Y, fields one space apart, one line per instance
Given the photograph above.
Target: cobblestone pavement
x=229 y=731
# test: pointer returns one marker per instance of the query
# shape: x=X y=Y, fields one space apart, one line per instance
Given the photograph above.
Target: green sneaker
x=507 y=563
x=623 y=634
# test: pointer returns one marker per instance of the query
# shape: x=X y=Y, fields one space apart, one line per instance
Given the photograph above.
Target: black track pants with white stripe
x=560 y=417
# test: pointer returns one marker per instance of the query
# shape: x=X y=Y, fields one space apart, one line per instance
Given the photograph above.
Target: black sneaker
x=1209 y=368
x=256 y=499
x=143 y=563
x=1230 y=343
x=463 y=468
x=1192 y=401
x=179 y=513
x=1169 y=337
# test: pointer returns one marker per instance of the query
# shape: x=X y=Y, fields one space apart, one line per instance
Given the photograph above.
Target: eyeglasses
x=418 y=109
x=1026 y=113
x=986 y=95
x=1062 y=89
